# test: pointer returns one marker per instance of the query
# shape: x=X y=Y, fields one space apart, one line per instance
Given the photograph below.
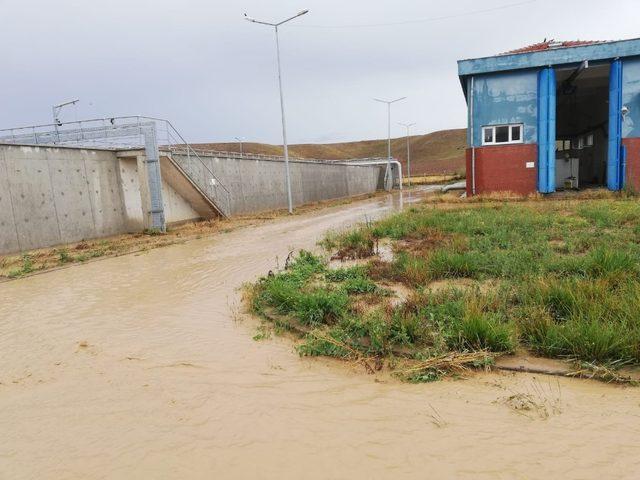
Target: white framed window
x=502 y=134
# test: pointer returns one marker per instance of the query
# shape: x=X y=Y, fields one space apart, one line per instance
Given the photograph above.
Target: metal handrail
x=174 y=143
x=260 y=156
x=174 y=138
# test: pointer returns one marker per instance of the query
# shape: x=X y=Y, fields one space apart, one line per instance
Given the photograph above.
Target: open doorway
x=582 y=117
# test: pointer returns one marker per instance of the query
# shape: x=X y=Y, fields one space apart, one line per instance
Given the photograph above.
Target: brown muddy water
x=134 y=367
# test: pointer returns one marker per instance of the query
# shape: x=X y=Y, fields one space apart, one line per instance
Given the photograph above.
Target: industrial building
x=554 y=116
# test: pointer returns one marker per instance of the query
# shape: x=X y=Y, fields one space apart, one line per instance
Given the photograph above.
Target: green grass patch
x=559 y=278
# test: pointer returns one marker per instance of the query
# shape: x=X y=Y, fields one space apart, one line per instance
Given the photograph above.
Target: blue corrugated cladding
x=505 y=98
x=546 y=130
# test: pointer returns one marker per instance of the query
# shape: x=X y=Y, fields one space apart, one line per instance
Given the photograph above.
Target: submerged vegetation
x=558 y=278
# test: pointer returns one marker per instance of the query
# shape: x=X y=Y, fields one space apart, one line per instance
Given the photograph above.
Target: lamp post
x=56 y=115
x=284 y=125
x=389 y=102
x=239 y=139
x=408 y=126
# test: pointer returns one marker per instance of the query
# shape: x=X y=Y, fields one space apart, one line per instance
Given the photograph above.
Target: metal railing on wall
x=119 y=133
x=169 y=140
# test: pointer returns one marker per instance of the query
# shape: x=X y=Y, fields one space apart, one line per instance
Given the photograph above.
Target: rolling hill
x=435 y=153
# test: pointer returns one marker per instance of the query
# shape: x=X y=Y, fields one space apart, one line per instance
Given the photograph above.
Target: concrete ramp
x=187 y=188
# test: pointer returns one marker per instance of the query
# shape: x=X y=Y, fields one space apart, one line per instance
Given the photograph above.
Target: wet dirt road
x=133 y=367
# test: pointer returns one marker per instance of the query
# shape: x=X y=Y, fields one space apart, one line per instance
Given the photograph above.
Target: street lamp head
x=64 y=104
x=303 y=12
x=389 y=101
x=249 y=19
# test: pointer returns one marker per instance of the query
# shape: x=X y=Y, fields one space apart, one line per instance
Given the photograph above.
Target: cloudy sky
x=200 y=65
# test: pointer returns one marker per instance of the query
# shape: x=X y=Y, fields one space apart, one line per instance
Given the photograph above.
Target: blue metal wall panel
x=505 y=98
x=551 y=150
x=500 y=63
x=615 y=176
x=546 y=130
x=631 y=97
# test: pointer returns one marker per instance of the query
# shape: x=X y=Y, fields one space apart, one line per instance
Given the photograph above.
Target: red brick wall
x=503 y=168
x=633 y=162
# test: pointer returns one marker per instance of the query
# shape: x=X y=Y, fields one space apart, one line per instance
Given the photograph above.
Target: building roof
x=550 y=52
x=552 y=44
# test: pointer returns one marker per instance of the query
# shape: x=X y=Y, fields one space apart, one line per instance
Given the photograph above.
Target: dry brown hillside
x=433 y=153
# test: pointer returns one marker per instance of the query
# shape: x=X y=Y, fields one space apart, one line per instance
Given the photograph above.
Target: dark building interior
x=582 y=112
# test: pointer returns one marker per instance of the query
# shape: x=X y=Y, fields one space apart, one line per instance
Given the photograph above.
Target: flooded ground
x=134 y=367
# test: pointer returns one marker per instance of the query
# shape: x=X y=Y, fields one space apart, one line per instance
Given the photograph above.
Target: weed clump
x=26 y=267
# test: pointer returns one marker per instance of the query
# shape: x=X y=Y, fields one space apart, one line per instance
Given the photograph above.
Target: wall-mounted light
x=625 y=111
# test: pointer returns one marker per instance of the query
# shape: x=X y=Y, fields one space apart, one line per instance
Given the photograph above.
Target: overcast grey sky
x=200 y=65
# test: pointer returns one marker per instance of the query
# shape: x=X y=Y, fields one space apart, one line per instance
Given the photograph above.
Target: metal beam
x=567 y=86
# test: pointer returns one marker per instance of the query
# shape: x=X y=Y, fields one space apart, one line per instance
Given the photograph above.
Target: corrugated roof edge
x=554 y=56
x=587 y=43
x=554 y=45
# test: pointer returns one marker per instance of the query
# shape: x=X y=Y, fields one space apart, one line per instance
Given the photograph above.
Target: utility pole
x=408 y=126
x=284 y=125
x=388 y=172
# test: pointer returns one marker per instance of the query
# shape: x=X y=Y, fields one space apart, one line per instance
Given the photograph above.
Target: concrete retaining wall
x=52 y=195
x=57 y=195
x=259 y=185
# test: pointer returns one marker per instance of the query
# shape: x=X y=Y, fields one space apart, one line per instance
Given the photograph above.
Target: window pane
x=590 y=140
x=488 y=135
x=502 y=134
x=515 y=133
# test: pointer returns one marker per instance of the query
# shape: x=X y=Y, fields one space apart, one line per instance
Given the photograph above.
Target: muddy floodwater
x=136 y=368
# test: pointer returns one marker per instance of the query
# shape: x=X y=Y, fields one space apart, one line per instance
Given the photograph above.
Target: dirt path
x=133 y=367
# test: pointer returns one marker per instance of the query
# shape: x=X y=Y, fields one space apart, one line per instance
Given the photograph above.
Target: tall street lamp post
x=389 y=102
x=284 y=125
x=239 y=140
x=408 y=126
